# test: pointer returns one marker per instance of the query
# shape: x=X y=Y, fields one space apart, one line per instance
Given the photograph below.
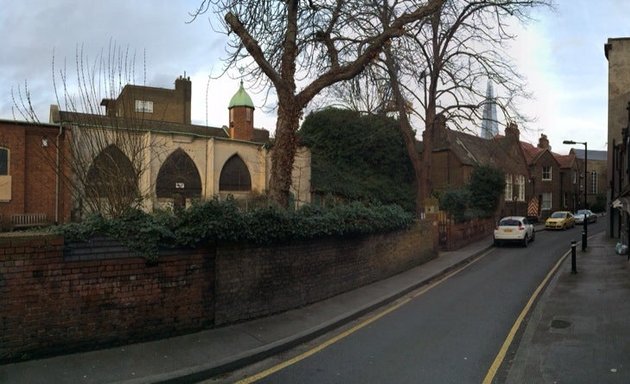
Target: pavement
x=582 y=319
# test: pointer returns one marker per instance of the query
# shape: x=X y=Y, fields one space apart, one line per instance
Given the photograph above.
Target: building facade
x=142 y=150
x=32 y=157
x=617 y=52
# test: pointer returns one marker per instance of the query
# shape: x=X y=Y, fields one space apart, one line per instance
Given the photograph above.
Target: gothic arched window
x=111 y=173
x=178 y=174
x=235 y=175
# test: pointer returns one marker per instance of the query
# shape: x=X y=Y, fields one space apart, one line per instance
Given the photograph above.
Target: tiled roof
x=566 y=161
x=498 y=152
x=533 y=153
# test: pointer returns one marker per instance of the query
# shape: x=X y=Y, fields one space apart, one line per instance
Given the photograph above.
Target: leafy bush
x=222 y=221
x=456 y=202
x=358 y=157
x=478 y=199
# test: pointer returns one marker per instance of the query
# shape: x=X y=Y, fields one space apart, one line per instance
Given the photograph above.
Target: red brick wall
x=32 y=169
x=54 y=303
x=255 y=281
x=241 y=127
x=48 y=305
x=13 y=137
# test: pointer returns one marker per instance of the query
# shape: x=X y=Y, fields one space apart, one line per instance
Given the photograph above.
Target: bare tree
x=105 y=157
x=314 y=43
x=443 y=65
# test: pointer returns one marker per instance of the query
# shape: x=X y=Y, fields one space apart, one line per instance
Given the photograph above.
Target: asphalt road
x=450 y=334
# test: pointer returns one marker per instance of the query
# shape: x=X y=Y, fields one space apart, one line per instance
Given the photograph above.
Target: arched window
x=235 y=175
x=178 y=174
x=4 y=162
x=112 y=174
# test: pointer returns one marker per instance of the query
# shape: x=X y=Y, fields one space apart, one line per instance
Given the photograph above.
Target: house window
x=546 y=201
x=546 y=173
x=4 y=161
x=144 y=106
x=520 y=187
x=574 y=176
x=508 y=187
x=594 y=182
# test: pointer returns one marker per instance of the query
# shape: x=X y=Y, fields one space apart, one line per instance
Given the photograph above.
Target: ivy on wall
x=215 y=221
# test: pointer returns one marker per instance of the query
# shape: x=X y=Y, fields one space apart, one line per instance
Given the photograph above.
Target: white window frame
x=520 y=187
x=144 y=106
x=547 y=201
x=549 y=172
x=508 y=187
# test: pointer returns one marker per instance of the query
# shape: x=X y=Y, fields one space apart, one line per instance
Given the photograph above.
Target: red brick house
x=456 y=153
x=31 y=154
x=553 y=179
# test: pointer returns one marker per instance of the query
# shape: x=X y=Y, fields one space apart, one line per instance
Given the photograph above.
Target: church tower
x=241 y=109
x=489 y=122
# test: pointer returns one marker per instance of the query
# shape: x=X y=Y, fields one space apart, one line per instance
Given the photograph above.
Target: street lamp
x=585 y=232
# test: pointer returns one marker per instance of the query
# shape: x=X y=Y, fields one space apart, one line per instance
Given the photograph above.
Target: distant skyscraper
x=489 y=122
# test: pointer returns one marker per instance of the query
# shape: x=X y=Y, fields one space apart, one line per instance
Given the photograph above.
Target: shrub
x=222 y=221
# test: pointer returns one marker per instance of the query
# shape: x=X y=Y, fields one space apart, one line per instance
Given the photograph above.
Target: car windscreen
x=557 y=215
x=509 y=223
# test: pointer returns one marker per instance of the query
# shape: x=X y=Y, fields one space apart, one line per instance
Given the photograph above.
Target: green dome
x=241 y=99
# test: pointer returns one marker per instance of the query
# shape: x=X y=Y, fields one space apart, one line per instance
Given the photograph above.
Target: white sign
x=179 y=185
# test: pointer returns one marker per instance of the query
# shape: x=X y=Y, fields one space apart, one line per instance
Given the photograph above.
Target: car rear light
x=520 y=227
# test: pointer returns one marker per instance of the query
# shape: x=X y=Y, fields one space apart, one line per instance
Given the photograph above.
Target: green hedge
x=216 y=221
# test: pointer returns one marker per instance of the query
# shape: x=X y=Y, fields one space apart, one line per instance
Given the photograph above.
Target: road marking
x=343 y=335
x=498 y=360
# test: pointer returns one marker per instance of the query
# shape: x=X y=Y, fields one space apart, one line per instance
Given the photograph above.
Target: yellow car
x=560 y=220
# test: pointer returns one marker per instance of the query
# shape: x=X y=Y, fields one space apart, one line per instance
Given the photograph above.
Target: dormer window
x=144 y=106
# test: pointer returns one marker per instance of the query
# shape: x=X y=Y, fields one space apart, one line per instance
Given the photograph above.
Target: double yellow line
x=493 y=368
x=498 y=360
x=357 y=327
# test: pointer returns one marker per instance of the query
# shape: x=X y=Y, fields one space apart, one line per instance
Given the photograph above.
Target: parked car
x=580 y=214
x=514 y=229
x=560 y=220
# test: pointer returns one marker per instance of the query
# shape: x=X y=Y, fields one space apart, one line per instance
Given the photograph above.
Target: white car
x=514 y=229
x=580 y=214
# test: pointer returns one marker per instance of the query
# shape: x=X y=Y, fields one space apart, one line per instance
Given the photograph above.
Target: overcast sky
x=562 y=56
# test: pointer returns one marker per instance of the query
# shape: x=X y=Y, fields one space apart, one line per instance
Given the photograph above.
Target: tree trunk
x=426 y=187
x=282 y=160
x=405 y=128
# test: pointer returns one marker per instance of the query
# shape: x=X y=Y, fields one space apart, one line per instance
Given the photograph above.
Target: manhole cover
x=560 y=324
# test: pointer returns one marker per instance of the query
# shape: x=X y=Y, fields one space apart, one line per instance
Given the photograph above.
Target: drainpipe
x=57 y=170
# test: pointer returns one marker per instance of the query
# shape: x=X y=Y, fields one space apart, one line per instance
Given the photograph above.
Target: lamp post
x=585 y=232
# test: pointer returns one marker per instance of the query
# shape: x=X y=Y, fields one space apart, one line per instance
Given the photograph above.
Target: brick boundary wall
x=267 y=280
x=49 y=305
x=54 y=302
x=462 y=234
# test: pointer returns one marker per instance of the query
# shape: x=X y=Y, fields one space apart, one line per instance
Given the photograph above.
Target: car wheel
x=525 y=241
x=495 y=242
